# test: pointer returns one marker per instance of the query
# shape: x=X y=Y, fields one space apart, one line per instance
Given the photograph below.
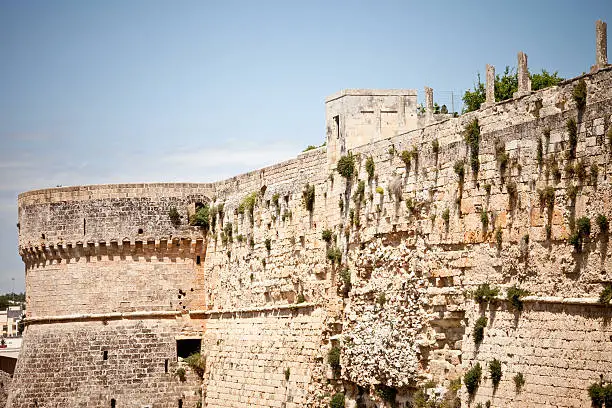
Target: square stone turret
x=355 y=117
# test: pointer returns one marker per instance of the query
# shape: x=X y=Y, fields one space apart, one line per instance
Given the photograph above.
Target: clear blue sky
x=130 y=91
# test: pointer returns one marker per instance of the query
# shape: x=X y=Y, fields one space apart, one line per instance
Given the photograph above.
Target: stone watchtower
x=107 y=283
x=355 y=117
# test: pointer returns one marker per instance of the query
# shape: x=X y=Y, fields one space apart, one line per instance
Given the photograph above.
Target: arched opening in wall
x=198 y=260
x=113 y=403
x=180 y=404
x=140 y=231
x=187 y=346
x=42 y=236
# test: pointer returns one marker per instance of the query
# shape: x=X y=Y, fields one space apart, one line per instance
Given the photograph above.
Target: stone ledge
x=559 y=300
x=253 y=309
x=102 y=316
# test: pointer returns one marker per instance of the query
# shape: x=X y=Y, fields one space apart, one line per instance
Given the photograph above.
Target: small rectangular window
x=198 y=260
x=105 y=355
x=180 y=403
x=113 y=403
x=187 y=347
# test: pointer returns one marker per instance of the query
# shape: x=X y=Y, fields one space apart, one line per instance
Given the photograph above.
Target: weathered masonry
x=356 y=272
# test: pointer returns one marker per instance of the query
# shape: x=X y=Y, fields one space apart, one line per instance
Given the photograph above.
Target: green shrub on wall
x=369 y=165
x=308 y=197
x=201 y=218
x=333 y=358
x=579 y=93
x=484 y=293
x=471 y=379
x=495 y=370
x=175 y=217
x=346 y=166
x=514 y=295
x=479 y=327
x=337 y=401
x=519 y=381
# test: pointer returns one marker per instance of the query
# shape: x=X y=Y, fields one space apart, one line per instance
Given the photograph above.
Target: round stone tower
x=111 y=274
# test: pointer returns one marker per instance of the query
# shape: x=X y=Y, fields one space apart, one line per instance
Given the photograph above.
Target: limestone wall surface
x=390 y=287
x=62 y=365
x=263 y=359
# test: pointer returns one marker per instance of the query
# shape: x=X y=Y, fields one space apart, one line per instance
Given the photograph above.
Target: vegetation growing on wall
x=540 y=153
x=337 y=401
x=471 y=379
x=201 y=218
x=498 y=238
x=471 y=135
x=479 y=327
x=519 y=381
x=572 y=132
x=346 y=166
x=369 y=165
x=333 y=358
x=197 y=363
x=579 y=93
x=406 y=158
x=175 y=217
x=514 y=296
x=308 y=197
x=600 y=394
x=484 y=293
x=606 y=294
x=602 y=223
x=580 y=234
x=334 y=255
x=495 y=370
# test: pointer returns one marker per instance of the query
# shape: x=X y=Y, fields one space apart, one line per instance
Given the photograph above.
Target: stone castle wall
x=268 y=299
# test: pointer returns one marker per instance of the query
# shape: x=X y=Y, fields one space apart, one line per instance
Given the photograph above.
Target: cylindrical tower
x=111 y=273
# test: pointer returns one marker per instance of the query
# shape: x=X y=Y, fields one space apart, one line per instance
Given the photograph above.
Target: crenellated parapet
x=173 y=247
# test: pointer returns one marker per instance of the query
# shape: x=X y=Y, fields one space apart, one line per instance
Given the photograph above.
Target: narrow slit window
x=166 y=365
x=84 y=227
x=337 y=123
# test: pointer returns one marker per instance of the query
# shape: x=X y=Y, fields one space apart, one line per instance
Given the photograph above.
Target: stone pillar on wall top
x=490 y=86
x=429 y=104
x=524 y=83
x=601 y=45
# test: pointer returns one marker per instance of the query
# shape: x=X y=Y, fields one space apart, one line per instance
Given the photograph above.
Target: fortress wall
x=560 y=350
x=263 y=359
x=61 y=365
x=238 y=275
x=420 y=264
x=440 y=263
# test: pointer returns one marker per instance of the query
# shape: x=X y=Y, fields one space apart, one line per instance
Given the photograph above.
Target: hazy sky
x=131 y=91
